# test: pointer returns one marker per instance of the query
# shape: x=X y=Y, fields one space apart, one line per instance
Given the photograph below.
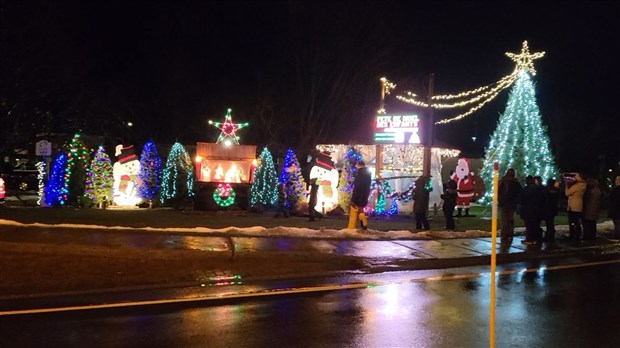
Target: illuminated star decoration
x=229 y=130
x=525 y=59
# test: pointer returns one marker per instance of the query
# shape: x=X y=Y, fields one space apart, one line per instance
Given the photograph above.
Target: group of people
x=536 y=203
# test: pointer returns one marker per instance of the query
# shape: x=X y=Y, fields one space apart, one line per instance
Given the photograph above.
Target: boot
x=466 y=211
x=459 y=211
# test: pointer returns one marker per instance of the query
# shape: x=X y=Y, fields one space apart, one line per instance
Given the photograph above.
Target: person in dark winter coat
x=420 y=204
x=282 y=209
x=614 y=208
x=449 y=203
x=533 y=203
x=509 y=190
x=575 y=188
x=553 y=195
x=314 y=190
x=591 y=208
x=359 y=197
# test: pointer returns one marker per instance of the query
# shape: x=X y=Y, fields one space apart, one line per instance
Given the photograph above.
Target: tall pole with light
x=428 y=143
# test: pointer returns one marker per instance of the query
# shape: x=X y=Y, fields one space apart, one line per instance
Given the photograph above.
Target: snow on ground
x=295 y=232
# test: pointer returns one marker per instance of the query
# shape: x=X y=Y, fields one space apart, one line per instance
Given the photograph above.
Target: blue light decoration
x=349 y=169
x=150 y=172
x=291 y=173
x=264 y=188
x=178 y=175
x=55 y=190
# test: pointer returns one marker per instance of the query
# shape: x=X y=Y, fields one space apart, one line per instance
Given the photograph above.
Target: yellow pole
x=493 y=256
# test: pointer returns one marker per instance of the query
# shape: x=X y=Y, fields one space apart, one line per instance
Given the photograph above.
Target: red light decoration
x=228 y=129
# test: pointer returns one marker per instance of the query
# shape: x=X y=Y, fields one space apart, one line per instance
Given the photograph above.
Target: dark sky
x=169 y=66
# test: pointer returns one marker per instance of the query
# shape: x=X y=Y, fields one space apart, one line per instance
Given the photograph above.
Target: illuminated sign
x=397 y=129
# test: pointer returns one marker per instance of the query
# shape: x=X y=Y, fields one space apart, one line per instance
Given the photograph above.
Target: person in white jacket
x=575 y=188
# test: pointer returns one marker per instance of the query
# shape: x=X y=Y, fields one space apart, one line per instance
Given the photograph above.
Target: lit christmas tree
x=291 y=172
x=76 y=171
x=178 y=176
x=150 y=172
x=264 y=188
x=99 y=181
x=347 y=177
x=55 y=191
x=520 y=140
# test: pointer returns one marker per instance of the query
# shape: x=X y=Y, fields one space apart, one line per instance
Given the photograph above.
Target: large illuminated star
x=228 y=129
x=525 y=59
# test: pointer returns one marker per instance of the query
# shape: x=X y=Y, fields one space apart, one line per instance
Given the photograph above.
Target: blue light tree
x=291 y=173
x=55 y=190
x=150 y=172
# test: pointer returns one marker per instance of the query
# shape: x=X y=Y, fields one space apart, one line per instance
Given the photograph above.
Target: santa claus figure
x=464 y=186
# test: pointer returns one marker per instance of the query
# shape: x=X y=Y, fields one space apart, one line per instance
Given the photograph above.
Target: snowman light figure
x=125 y=172
x=327 y=178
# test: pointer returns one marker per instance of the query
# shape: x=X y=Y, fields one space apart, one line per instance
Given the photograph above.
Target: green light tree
x=178 y=176
x=264 y=188
x=76 y=171
x=99 y=181
x=520 y=140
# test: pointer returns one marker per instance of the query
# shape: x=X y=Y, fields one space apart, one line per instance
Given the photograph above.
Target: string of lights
x=478 y=96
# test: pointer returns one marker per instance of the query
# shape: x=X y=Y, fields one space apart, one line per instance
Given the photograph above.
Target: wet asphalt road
x=568 y=303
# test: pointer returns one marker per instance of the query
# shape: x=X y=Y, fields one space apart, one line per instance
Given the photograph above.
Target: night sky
x=304 y=72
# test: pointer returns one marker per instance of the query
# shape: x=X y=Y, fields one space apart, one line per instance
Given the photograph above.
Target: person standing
x=449 y=203
x=575 y=188
x=314 y=190
x=281 y=202
x=553 y=196
x=359 y=197
x=509 y=190
x=420 y=204
x=614 y=208
x=532 y=201
x=591 y=208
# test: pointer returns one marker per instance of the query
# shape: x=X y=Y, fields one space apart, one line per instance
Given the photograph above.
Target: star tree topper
x=525 y=59
x=228 y=130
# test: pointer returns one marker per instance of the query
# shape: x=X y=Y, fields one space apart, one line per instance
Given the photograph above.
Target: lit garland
x=41 y=180
x=228 y=129
x=481 y=95
x=224 y=195
x=179 y=166
x=264 y=188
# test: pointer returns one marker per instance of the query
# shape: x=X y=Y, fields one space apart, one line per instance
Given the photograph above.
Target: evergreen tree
x=55 y=190
x=99 y=181
x=291 y=173
x=76 y=171
x=177 y=177
x=347 y=177
x=264 y=188
x=150 y=172
x=520 y=140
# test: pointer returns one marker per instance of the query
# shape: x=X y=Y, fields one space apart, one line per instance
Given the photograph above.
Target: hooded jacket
x=575 y=195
